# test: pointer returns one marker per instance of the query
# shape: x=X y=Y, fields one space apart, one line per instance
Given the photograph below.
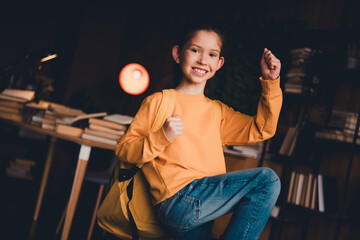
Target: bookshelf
x=311 y=111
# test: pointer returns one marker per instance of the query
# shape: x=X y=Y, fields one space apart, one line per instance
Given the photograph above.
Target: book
x=296 y=186
x=314 y=198
x=65 y=111
x=35 y=123
x=13 y=164
x=20 y=168
x=18 y=173
x=304 y=190
x=27 y=95
x=23 y=161
x=308 y=191
x=48 y=120
x=71 y=120
x=321 y=203
x=38 y=116
x=41 y=105
x=107 y=130
x=119 y=118
x=291 y=187
x=98 y=139
x=10 y=109
x=332 y=134
x=48 y=126
x=13 y=99
x=69 y=130
x=11 y=116
x=275 y=212
x=101 y=134
x=11 y=104
x=289 y=142
x=299 y=189
x=293 y=142
x=108 y=124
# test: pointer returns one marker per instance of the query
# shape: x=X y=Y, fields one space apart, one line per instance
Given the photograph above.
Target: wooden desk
x=84 y=154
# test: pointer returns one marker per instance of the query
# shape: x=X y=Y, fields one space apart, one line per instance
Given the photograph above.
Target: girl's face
x=200 y=57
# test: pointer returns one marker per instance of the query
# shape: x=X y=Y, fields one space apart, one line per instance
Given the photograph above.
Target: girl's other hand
x=270 y=65
x=173 y=127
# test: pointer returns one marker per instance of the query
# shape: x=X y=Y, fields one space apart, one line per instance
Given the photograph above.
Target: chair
x=98 y=177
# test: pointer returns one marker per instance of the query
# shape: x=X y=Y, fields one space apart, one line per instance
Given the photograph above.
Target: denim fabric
x=250 y=194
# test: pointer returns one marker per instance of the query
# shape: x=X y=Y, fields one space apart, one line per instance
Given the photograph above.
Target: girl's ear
x=176 y=53
x=220 y=63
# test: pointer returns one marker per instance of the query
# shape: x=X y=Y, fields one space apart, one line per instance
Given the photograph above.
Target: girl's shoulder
x=152 y=101
x=154 y=96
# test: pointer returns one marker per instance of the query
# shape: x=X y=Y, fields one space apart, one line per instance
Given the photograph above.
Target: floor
x=19 y=196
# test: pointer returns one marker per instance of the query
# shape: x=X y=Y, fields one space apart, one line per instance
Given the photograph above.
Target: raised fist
x=270 y=65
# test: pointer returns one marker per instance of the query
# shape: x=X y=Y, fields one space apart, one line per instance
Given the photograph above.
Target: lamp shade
x=134 y=79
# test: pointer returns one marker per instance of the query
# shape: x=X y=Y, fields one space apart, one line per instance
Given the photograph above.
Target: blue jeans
x=250 y=194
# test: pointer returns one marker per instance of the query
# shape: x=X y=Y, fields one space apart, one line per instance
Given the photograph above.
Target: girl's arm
x=139 y=145
x=238 y=129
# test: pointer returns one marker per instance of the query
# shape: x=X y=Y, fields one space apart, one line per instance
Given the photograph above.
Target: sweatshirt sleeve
x=139 y=145
x=239 y=129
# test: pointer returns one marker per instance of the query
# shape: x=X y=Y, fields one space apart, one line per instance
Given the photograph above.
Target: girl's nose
x=202 y=60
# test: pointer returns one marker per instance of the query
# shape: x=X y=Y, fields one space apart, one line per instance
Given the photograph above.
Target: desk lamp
x=134 y=79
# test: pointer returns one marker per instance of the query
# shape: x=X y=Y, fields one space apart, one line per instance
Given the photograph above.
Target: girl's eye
x=194 y=50
x=213 y=55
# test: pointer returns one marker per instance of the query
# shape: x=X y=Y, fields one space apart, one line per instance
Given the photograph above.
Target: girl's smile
x=199 y=71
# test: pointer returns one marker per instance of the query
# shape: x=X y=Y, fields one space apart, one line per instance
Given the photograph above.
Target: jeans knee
x=272 y=180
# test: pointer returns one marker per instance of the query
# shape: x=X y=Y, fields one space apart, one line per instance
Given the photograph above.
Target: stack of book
x=20 y=168
x=12 y=102
x=316 y=192
x=341 y=127
x=11 y=110
x=54 y=117
x=106 y=130
x=34 y=113
x=297 y=71
x=57 y=117
x=48 y=120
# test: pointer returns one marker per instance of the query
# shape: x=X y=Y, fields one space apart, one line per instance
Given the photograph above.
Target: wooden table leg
x=49 y=158
x=98 y=200
x=75 y=191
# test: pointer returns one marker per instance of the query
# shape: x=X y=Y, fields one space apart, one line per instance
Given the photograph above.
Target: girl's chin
x=197 y=80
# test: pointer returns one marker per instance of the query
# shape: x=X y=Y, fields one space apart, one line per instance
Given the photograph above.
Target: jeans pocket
x=180 y=212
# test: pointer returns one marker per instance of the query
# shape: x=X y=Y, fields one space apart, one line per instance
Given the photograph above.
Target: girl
x=184 y=162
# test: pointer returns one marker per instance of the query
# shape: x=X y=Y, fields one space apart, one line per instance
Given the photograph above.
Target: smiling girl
x=184 y=161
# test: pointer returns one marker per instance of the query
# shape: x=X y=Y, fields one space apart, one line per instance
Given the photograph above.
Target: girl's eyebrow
x=192 y=44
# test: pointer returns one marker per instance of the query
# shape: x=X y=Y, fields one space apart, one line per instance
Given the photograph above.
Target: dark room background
x=95 y=39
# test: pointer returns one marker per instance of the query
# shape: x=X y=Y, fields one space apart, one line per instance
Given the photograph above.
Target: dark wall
x=95 y=39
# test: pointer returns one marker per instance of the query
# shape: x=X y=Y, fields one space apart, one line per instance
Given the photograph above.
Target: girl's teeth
x=199 y=71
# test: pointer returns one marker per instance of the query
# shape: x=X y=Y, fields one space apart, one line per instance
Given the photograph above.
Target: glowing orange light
x=134 y=79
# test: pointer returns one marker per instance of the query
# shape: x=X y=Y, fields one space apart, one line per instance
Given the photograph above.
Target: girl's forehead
x=206 y=38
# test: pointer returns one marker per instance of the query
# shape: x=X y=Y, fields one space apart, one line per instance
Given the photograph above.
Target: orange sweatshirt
x=168 y=165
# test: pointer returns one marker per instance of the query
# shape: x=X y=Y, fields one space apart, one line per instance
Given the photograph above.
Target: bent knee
x=271 y=179
x=269 y=175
